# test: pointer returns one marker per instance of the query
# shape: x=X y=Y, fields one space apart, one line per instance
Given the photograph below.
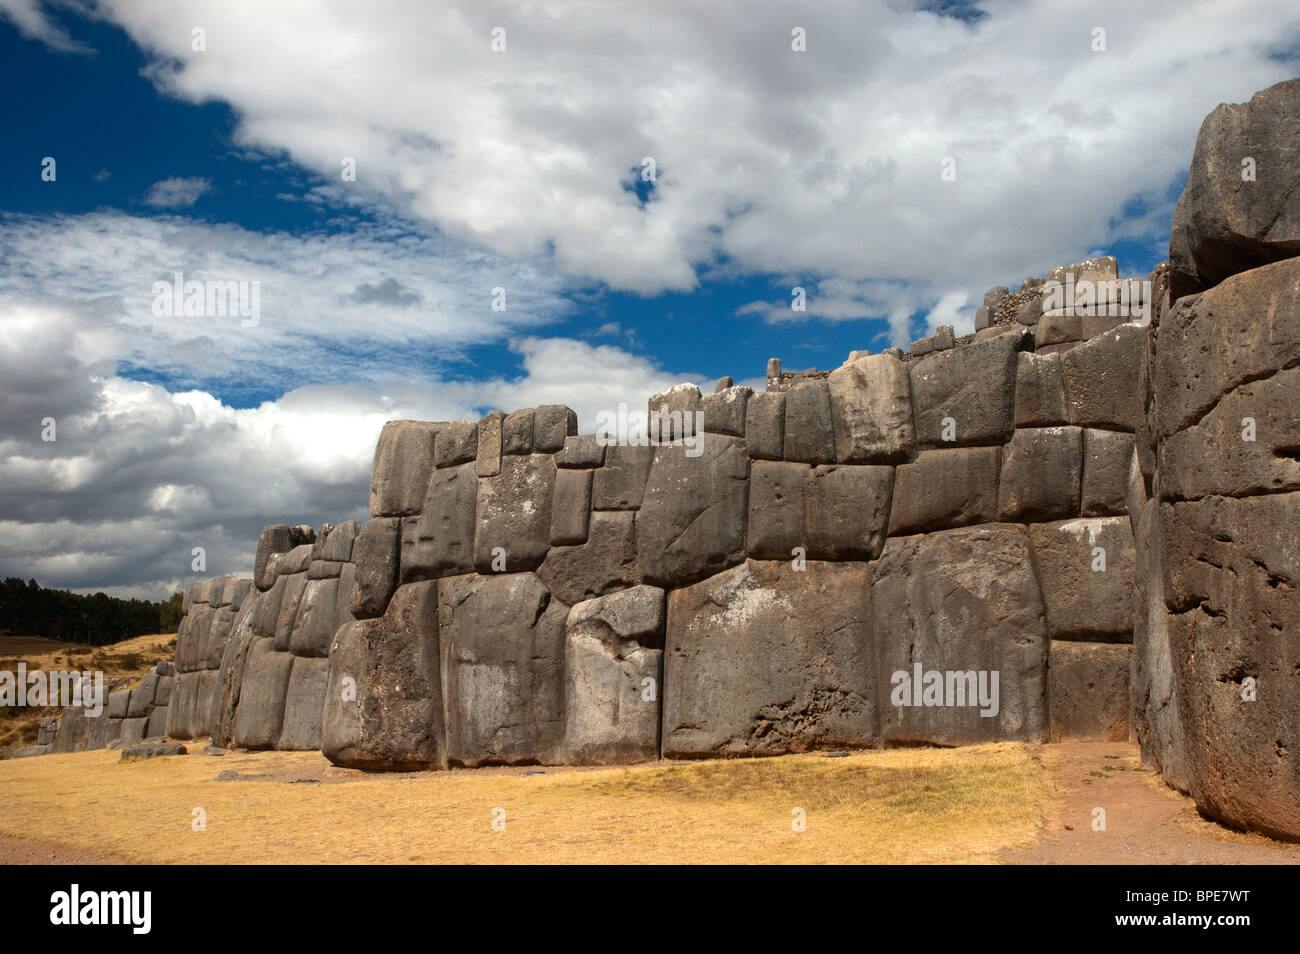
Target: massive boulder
x=962 y=604
x=383 y=701
x=871 y=410
x=765 y=659
x=1240 y=208
x=399 y=475
x=967 y=393
x=513 y=517
x=502 y=641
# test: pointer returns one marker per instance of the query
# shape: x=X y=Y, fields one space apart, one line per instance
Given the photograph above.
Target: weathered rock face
x=399 y=476
x=960 y=602
x=502 y=669
x=828 y=511
x=513 y=524
x=613 y=658
x=871 y=409
x=692 y=522
x=1086 y=569
x=968 y=393
x=945 y=488
x=261 y=698
x=763 y=659
x=1225 y=222
x=377 y=551
x=383 y=701
x=605 y=562
x=1088 y=687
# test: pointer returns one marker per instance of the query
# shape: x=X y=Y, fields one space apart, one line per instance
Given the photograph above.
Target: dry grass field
x=897 y=806
x=121 y=663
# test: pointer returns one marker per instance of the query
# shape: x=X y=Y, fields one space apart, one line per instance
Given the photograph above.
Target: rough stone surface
x=1223 y=224
x=313 y=628
x=606 y=561
x=399 y=475
x=514 y=513
x=151 y=750
x=1086 y=569
x=441 y=541
x=457 y=443
x=1102 y=379
x=383 y=705
x=974 y=385
x=765 y=425
x=809 y=428
x=954 y=487
x=960 y=601
x=871 y=410
x=502 y=665
x=274 y=539
x=583 y=451
x=377 y=554
x=294 y=587
x=724 y=410
x=553 y=425
x=1106 y=457
x=261 y=697
x=763 y=659
x=1042 y=474
x=1040 y=390
x=620 y=483
x=571 y=507
x=612 y=678
x=692 y=521
x=517 y=432
x=303 y=704
x=1088 y=690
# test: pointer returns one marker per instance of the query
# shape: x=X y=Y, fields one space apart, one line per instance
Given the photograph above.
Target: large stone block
x=503 y=669
x=230 y=682
x=294 y=587
x=1086 y=569
x=778 y=508
x=763 y=659
x=399 y=476
x=1042 y=474
x=303 y=704
x=765 y=425
x=830 y=511
x=383 y=705
x=514 y=513
x=517 y=432
x=612 y=678
x=491 y=432
x=809 y=427
x=1106 y=458
x=266 y=617
x=724 y=411
x=692 y=521
x=871 y=408
x=620 y=483
x=223 y=621
x=954 y=487
x=313 y=628
x=606 y=561
x=156 y=727
x=441 y=541
x=553 y=425
x=141 y=697
x=1088 y=690
x=182 y=711
x=1103 y=379
x=672 y=414
x=457 y=443
x=261 y=697
x=377 y=553
x=1224 y=224
x=967 y=392
x=338 y=545
x=571 y=507
x=584 y=451
x=74 y=731
x=276 y=538
x=962 y=604
x=1040 y=390
x=1231 y=570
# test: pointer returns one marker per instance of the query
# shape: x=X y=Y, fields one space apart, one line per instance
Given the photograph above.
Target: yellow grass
x=899 y=806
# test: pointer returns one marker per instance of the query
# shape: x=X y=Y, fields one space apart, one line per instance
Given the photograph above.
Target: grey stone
x=692 y=522
x=583 y=451
x=553 y=425
x=606 y=561
x=514 y=513
x=296 y=560
x=443 y=537
x=313 y=628
x=672 y=414
x=974 y=385
x=612 y=678
x=261 y=698
x=571 y=507
x=778 y=504
x=339 y=544
x=141 y=697
x=491 y=429
x=133 y=730
x=162 y=692
x=809 y=428
x=48 y=729
x=1224 y=225
x=303 y=705
x=151 y=750
x=1030 y=311
x=831 y=511
x=502 y=643
x=517 y=432
x=724 y=410
x=180 y=711
x=763 y=659
x=620 y=483
x=1106 y=458
x=1086 y=569
x=191 y=593
x=1042 y=472
x=29 y=751
x=266 y=616
x=1058 y=329
x=1040 y=390
x=982 y=318
x=1102 y=379
x=376 y=552
x=118 y=702
x=723 y=383
x=157 y=726
x=230 y=682
x=383 y=705
x=765 y=425
x=1088 y=692
x=954 y=487
x=324 y=569
x=294 y=587
x=960 y=601
x=74 y=730
x=223 y=620
x=457 y=443
x=399 y=476
x=871 y=410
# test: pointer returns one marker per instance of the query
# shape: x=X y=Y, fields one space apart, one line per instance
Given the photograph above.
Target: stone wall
x=1100 y=512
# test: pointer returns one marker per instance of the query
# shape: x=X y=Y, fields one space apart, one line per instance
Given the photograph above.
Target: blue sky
x=480 y=169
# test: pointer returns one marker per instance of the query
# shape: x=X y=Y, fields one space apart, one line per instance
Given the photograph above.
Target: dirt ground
x=1005 y=803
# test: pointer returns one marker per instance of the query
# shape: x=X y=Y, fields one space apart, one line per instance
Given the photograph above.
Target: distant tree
x=28 y=609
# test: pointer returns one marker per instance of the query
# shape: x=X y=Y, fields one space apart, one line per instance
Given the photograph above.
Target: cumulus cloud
x=34 y=23
x=176 y=192
x=819 y=164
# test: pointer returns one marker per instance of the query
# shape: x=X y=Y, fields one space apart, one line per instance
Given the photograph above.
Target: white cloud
x=33 y=23
x=176 y=192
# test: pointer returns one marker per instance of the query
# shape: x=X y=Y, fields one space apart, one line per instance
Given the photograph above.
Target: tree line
x=29 y=609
